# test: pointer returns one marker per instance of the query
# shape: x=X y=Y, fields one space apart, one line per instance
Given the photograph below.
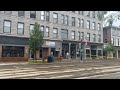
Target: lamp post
x=81 y=50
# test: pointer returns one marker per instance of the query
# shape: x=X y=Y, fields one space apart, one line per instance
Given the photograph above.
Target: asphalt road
x=61 y=70
x=115 y=75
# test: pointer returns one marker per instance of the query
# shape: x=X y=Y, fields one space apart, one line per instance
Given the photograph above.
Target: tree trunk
x=34 y=55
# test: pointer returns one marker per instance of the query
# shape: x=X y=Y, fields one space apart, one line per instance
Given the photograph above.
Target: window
x=42 y=15
x=99 y=38
x=88 y=14
x=66 y=20
x=20 y=28
x=105 y=40
x=8 y=12
x=93 y=14
x=47 y=15
x=7 y=26
x=88 y=36
x=81 y=12
x=47 y=31
x=31 y=27
x=98 y=26
x=94 y=38
x=82 y=23
x=32 y=14
x=12 y=51
x=112 y=41
x=21 y=13
x=82 y=35
x=79 y=36
x=73 y=35
x=73 y=21
x=118 y=42
x=55 y=32
x=55 y=18
x=73 y=11
x=62 y=19
x=88 y=24
x=78 y=22
x=42 y=29
x=64 y=34
x=93 y=25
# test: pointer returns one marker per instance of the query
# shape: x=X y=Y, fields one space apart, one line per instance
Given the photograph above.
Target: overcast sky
x=116 y=23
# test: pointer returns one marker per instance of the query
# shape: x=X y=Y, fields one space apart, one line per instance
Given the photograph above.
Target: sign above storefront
x=50 y=43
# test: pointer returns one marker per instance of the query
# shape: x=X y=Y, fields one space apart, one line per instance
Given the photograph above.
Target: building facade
x=62 y=30
x=112 y=34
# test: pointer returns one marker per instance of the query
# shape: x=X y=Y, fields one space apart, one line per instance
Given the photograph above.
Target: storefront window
x=12 y=51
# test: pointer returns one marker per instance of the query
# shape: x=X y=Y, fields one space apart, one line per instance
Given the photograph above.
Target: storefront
x=13 y=48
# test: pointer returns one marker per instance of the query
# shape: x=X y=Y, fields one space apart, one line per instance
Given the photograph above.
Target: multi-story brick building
x=112 y=34
x=63 y=31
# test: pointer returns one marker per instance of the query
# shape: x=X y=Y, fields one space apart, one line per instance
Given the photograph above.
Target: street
x=74 y=69
x=115 y=75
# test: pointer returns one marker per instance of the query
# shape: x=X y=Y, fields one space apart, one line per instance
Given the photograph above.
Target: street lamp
x=81 y=50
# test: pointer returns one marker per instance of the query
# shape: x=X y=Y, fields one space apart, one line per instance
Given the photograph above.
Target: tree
x=111 y=18
x=109 y=49
x=101 y=14
x=36 y=39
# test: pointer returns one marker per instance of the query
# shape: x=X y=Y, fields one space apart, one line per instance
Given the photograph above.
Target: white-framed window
x=88 y=24
x=93 y=14
x=94 y=38
x=62 y=19
x=99 y=38
x=88 y=36
x=112 y=41
x=73 y=35
x=8 y=12
x=82 y=35
x=47 y=31
x=88 y=14
x=42 y=29
x=48 y=16
x=118 y=43
x=99 y=26
x=64 y=34
x=7 y=26
x=42 y=15
x=78 y=22
x=32 y=14
x=21 y=13
x=73 y=21
x=31 y=27
x=55 y=18
x=66 y=20
x=55 y=32
x=93 y=25
x=20 y=28
x=82 y=23
x=79 y=35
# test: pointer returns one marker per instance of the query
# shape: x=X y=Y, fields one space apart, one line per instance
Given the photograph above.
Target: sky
x=116 y=23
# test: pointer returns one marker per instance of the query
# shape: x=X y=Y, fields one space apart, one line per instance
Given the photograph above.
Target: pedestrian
x=67 y=55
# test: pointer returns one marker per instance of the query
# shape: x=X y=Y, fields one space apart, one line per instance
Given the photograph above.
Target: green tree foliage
x=110 y=49
x=101 y=14
x=36 y=39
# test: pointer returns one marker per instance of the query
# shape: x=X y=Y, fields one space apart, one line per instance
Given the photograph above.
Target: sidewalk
x=62 y=62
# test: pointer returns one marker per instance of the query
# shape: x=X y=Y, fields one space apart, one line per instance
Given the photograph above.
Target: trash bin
x=52 y=59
